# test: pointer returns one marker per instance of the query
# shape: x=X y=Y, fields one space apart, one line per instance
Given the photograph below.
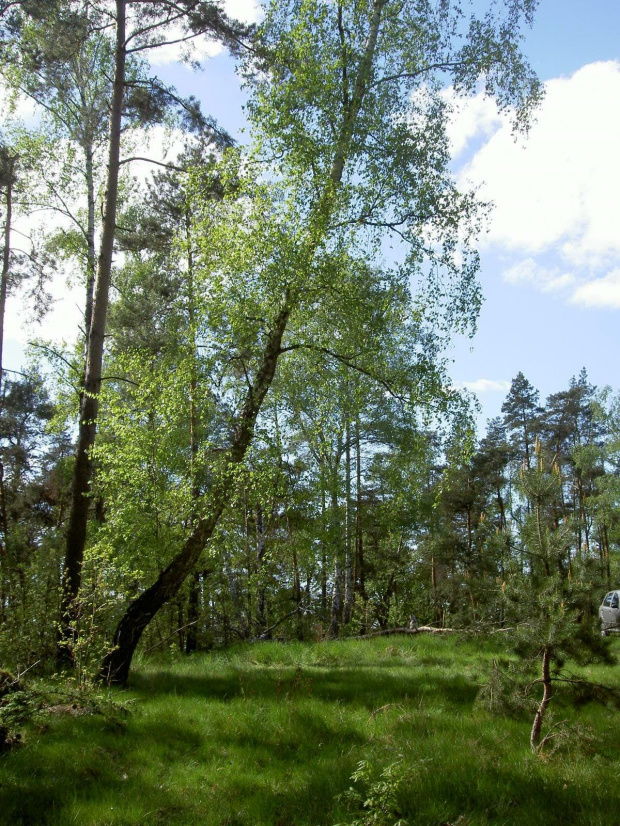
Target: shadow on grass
x=161 y=772
x=285 y=767
x=254 y=744
x=361 y=686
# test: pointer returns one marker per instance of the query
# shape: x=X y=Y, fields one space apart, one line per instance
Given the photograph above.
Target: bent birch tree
x=347 y=99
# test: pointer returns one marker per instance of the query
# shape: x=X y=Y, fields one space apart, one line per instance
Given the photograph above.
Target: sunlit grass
x=271 y=734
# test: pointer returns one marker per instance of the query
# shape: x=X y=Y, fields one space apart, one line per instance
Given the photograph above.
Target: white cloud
x=17 y=109
x=471 y=118
x=600 y=293
x=546 y=279
x=486 y=386
x=559 y=188
x=247 y=11
x=201 y=48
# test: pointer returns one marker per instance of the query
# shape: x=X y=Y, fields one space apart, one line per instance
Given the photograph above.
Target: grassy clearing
x=271 y=734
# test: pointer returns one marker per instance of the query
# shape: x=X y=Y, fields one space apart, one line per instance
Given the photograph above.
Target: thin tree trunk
x=336 y=608
x=91 y=255
x=542 y=708
x=193 y=601
x=359 y=534
x=242 y=623
x=261 y=618
x=436 y=608
x=4 y=554
x=6 y=260
x=6 y=255
x=348 y=541
x=89 y=408
x=180 y=629
x=323 y=554
x=607 y=557
x=296 y=585
x=334 y=625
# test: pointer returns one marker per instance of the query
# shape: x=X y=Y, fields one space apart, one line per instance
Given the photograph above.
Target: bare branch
x=157 y=163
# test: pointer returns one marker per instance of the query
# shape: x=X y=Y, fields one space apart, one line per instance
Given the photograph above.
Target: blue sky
x=551 y=266
x=551 y=259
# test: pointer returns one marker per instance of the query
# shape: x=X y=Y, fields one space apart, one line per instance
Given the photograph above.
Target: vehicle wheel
x=604 y=632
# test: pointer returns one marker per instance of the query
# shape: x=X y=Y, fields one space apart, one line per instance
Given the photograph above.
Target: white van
x=609 y=612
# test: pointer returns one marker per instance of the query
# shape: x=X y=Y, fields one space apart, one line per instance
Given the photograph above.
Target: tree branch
x=151 y=160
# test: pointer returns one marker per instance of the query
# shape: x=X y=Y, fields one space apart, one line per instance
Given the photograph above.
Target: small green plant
x=22 y=705
x=16 y=706
x=380 y=803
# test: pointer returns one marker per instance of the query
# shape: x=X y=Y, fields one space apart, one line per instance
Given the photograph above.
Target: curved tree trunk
x=542 y=708
x=115 y=667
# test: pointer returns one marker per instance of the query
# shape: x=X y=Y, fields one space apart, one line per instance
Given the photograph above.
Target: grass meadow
x=273 y=733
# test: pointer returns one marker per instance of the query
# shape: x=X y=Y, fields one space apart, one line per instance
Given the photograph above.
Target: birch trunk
x=6 y=261
x=348 y=555
x=116 y=664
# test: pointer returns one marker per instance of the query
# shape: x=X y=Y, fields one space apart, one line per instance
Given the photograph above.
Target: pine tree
x=521 y=412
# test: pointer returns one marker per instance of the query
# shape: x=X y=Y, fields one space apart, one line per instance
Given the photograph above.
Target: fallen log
x=422 y=629
x=430 y=629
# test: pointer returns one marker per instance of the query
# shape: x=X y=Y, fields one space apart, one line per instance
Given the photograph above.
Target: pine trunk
x=91 y=255
x=6 y=258
x=89 y=408
x=542 y=708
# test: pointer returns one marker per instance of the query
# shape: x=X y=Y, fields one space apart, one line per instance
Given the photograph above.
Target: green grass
x=271 y=734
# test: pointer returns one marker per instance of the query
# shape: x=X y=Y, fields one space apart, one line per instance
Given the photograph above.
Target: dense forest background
x=279 y=451
x=346 y=518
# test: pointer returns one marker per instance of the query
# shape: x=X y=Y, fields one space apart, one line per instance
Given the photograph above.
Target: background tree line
x=347 y=517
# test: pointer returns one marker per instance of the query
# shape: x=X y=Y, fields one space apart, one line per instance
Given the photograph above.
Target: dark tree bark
x=89 y=407
x=542 y=708
x=115 y=668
